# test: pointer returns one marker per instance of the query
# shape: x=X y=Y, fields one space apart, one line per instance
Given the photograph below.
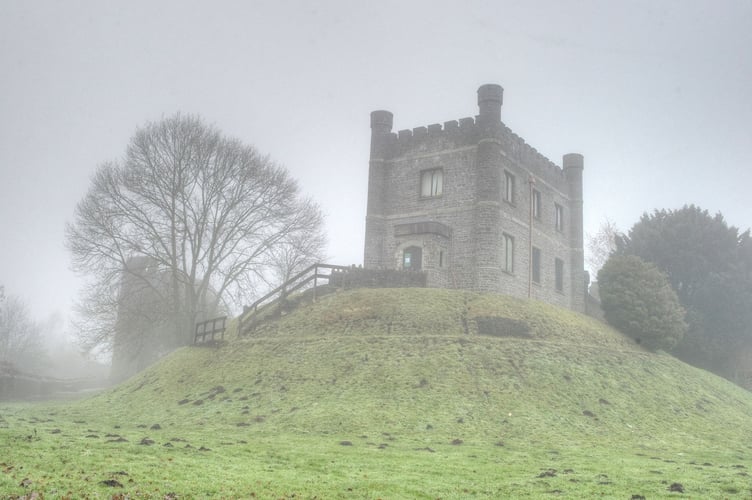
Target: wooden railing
x=210 y=328
x=314 y=273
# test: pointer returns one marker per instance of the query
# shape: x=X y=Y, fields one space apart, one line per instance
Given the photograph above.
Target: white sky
x=654 y=93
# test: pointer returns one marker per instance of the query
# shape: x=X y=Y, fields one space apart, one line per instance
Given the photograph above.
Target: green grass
x=395 y=394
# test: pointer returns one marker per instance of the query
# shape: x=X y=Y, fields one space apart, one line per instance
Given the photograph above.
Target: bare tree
x=206 y=212
x=293 y=254
x=601 y=245
x=20 y=338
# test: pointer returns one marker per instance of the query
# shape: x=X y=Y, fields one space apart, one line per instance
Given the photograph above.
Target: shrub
x=638 y=300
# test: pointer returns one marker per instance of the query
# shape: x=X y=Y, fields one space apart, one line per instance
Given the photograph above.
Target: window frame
x=508 y=263
x=435 y=183
x=415 y=255
x=510 y=187
x=559 y=275
x=559 y=217
x=535 y=264
x=537 y=204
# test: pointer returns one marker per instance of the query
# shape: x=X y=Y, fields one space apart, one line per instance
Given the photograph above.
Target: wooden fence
x=316 y=274
x=210 y=328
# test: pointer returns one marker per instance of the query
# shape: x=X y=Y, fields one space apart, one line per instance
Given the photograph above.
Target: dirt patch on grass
x=547 y=473
x=676 y=487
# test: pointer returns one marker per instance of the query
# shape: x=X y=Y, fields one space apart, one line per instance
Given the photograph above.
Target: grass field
x=396 y=394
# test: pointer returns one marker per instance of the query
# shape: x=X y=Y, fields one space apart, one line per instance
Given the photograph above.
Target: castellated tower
x=474 y=207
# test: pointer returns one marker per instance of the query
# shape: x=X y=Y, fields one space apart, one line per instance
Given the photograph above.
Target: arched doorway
x=412 y=258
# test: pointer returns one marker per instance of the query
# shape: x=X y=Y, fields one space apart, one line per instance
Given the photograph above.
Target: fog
x=654 y=95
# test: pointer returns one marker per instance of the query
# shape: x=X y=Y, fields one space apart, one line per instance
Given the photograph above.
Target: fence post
x=315 y=280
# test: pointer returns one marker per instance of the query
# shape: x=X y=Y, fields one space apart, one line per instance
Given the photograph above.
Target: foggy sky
x=655 y=95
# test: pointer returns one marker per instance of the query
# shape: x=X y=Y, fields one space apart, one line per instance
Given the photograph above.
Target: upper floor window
x=536 y=271
x=559 y=217
x=431 y=183
x=508 y=187
x=536 y=202
x=559 y=275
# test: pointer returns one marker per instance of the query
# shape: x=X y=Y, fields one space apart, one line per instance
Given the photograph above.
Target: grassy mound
x=400 y=393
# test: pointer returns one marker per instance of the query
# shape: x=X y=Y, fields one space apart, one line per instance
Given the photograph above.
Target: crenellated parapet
x=466 y=132
x=435 y=137
x=522 y=153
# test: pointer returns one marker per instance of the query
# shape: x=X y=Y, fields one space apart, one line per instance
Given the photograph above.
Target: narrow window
x=536 y=265
x=559 y=217
x=441 y=258
x=431 y=183
x=508 y=187
x=508 y=253
x=559 y=275
x=536 y=204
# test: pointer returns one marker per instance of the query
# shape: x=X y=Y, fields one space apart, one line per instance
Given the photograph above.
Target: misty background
x=655 y=95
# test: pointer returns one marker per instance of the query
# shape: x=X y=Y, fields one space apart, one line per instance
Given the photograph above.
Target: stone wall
x=377 y=278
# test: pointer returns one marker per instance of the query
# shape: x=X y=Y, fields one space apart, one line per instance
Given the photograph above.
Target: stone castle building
x=475 y=207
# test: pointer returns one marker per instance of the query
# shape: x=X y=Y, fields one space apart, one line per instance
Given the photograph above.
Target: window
x=536 y=265
x=559 y=217
x=508 y=187
x=412 y=258
x=559 y=266
x=536 y=204
x=508 y=253
x=441 y=258
x=431 y=183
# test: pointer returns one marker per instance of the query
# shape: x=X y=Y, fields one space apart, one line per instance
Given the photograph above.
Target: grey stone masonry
x=475 y=207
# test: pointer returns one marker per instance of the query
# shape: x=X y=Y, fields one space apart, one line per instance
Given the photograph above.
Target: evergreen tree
x=638 y=300
x=709 y=265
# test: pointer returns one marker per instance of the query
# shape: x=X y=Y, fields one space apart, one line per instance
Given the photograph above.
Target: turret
x=487 y=224
x=490 y=99
x=381 y=129
x=381 y=138
x=573 y=165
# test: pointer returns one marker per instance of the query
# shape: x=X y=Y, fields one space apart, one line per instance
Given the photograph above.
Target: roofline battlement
x=464 y=132
x=525 y=154
x=408 y=136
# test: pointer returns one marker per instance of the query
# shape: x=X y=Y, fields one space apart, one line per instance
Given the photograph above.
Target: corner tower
x=381 y=135
x=573 y=165
x=487 y=223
